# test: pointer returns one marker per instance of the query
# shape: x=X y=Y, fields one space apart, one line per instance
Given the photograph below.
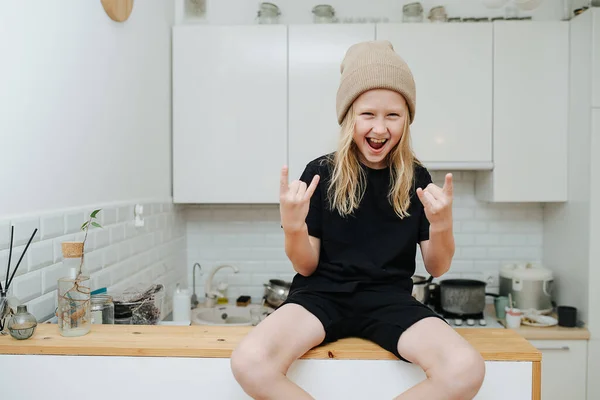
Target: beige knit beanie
x=373 y=65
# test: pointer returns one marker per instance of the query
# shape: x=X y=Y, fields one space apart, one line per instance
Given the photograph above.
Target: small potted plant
x=74 y=290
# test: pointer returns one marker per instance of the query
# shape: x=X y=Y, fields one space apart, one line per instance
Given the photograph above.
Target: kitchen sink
x=225 y=315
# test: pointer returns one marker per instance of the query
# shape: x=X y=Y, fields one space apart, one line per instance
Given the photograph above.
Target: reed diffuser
x=9 y=303
x=74 y=291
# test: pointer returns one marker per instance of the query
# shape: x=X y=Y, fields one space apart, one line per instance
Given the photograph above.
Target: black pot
x=463 y=296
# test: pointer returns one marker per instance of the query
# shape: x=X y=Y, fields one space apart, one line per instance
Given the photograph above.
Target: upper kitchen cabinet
x=452 y=68
x=531 y=103
x=315 y=56
x=596 y=58
x=229 y=113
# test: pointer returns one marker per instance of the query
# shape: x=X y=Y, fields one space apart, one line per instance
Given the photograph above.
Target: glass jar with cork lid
x=74 y=293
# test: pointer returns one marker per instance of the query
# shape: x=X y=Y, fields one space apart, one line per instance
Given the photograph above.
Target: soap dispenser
x=222 y=293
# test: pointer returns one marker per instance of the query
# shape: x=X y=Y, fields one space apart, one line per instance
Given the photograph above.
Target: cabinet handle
x=553 y=348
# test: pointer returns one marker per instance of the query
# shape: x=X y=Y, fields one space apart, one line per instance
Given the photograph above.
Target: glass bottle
x=22 y=325
x=74 y=293
x=8 y=307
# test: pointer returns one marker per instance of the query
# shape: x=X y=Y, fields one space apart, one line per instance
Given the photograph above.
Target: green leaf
x=97 y=225
x=93 y=215
x=84 y=225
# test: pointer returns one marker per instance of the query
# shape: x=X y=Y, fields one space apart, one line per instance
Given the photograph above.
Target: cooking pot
x=420 y=290
x=463 y=296
x=276 y=291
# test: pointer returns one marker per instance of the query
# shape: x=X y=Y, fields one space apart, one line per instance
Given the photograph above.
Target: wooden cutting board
x=118 y=10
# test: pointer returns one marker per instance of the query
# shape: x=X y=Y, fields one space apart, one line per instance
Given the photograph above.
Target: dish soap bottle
x=222 y=293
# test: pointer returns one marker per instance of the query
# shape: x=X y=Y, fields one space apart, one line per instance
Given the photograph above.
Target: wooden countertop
x=546 y=333
x=219 y=342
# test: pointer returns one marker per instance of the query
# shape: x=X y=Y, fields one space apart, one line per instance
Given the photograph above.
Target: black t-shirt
x=373 y=245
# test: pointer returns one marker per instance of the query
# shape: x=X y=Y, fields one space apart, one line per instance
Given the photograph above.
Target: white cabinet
x=596 y=59
x=531 y=100
x=564 y=368
x=229 y=113
x=452 y=68
x=159 y=378
x=315 y=55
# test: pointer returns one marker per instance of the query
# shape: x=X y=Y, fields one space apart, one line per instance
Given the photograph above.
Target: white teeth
x=377 y=140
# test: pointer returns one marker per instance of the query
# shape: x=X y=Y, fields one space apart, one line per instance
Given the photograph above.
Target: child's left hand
x=437 y=203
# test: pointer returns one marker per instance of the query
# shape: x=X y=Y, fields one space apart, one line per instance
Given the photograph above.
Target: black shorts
x=380 y=316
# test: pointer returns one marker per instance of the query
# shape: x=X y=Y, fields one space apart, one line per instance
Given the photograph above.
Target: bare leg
x=261 y=360
x=454 y=369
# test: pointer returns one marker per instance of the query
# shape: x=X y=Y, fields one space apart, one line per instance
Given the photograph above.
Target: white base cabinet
x=159 y=378
x=564 y=369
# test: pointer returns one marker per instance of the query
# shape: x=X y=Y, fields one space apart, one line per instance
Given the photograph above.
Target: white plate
x=540 y=320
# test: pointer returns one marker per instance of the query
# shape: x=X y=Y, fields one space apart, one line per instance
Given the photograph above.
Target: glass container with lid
x=412 y=12
x=323 y=14
x=268 y=13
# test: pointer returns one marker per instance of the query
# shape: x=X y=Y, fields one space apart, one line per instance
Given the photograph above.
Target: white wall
x=299 y=11
x=85 y=113
x=250 y=237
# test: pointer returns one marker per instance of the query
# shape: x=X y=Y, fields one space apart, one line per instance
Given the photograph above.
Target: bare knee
x=252 y=368
x=463 y=373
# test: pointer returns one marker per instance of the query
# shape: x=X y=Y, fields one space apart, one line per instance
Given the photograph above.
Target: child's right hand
x=294 y=200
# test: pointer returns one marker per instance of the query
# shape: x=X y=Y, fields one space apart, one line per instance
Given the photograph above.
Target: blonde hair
x=349 y=181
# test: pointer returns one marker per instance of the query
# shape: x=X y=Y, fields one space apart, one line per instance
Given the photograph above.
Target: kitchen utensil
x=276 y=292
x=538 y=320
x=567 y=316
x=118 y=10
x=420 y=290
x=463 y=296
x=529 y=284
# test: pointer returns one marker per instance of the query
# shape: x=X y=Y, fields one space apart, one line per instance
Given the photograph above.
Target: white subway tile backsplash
x=125 y=213
x=40 y=254
x=52 y=226
x=28 y=286
x=51 y=275
x=24 y=228
x=108 y=216
x=74 y=221
x=487 y=236
x=114 y=253
x=44 y=306
x=117 y=234
x=4 y=234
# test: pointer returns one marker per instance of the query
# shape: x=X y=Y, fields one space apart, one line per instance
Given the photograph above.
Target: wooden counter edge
x=214 y=342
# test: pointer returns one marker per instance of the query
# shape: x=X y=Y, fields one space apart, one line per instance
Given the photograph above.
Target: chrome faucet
x=194 y=297
x=209 y=293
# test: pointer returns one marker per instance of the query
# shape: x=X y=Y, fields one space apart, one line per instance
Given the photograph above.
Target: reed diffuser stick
x=20 y=259
x=12 y=232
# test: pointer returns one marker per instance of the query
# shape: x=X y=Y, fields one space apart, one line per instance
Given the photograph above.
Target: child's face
x=380 y=118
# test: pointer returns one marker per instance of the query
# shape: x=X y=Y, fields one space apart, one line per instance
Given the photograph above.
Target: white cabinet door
x=531 y=106
x=564 y=368
x=596 y=59
x=315 y=55
x=452 y=68
x=229 y=113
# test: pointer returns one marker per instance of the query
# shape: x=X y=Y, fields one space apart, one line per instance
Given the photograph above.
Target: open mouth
x=376 y=144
